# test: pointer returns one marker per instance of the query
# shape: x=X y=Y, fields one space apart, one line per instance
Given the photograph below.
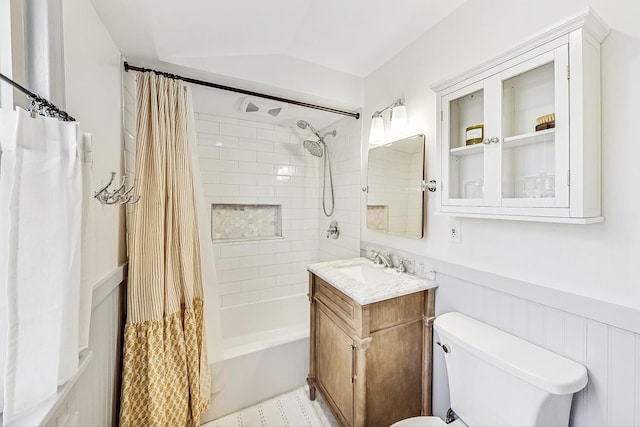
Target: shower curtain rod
x=49 y=107
x=128 y=67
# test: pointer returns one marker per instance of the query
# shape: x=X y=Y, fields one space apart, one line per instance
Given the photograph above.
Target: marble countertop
x=366 y=293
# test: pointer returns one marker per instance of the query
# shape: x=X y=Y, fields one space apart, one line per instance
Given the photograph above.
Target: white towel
x=39 y=265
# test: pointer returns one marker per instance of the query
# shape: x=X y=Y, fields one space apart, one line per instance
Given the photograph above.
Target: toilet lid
x=420 y=422
x=427 y=422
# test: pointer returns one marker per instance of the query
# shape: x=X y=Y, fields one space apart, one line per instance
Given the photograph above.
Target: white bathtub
x=266 y=353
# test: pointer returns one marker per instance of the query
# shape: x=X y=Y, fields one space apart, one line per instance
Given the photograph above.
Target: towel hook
x=120 y=195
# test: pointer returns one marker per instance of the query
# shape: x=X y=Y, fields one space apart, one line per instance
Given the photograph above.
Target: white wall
x=93 y=97
x=592 y=260
x=93 y=88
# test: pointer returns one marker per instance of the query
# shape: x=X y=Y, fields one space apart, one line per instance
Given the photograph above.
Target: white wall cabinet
x=516 y=172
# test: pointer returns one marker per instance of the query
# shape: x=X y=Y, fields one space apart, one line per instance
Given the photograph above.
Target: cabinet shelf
x=467 y=150
x=538 y=137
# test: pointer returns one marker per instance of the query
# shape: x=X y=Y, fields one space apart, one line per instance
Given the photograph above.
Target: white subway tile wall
x=244 y=162
x=344 y=151
x=251 y=163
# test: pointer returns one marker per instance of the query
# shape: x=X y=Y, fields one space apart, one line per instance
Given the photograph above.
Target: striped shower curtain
x=166 y=378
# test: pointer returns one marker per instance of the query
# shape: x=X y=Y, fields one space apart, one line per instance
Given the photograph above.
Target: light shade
x=376 y=135
x=399 y=124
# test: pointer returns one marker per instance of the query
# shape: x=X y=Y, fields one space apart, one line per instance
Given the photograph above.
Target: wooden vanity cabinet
x=371 y=363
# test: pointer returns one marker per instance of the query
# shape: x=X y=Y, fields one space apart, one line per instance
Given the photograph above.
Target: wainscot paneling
x=611 y=354
x=94 y=399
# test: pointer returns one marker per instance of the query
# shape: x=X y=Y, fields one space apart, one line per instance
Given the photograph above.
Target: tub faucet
x=380 y=259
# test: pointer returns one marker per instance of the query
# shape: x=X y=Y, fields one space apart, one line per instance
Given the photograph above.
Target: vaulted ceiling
x=320 y=49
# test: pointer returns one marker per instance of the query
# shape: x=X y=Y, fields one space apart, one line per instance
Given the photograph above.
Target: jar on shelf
x=474 y=134
x=548 y=121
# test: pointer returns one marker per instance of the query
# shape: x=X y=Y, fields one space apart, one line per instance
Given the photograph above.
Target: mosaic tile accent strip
x=378 y=217
x=245 y=222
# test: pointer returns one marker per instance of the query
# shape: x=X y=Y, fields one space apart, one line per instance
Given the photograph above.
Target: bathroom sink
x=366 y=282
x=369 y=274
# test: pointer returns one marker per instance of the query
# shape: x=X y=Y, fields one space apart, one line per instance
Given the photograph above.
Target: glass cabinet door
x=505 y=139
x=535 y=132
x=463 y=116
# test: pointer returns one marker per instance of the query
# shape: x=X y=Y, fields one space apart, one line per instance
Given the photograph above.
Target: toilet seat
x=427 y=422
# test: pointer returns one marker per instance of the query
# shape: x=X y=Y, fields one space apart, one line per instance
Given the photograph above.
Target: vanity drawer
x=338 y=303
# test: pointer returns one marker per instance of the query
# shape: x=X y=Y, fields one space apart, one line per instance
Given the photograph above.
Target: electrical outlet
x=455 y=230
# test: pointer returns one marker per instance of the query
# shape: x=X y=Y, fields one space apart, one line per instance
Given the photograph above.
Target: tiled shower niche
x=378 y=217
x=232 y=222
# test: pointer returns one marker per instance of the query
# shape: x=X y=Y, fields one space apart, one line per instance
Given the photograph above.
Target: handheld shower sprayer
x=303 y=124
x=319 y=149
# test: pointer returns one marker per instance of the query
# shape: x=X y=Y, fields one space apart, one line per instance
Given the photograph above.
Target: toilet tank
x=497 y=379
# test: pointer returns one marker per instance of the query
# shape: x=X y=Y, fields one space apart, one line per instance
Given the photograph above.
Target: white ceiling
x=318 y=49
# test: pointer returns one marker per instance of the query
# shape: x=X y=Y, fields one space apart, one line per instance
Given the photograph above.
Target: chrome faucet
x=402 y=266
x=380 y=259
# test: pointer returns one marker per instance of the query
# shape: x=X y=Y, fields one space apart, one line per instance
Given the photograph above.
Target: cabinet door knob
x=495 y=140
x=486 y=141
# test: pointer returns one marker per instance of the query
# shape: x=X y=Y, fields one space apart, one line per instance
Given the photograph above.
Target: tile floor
x=290 y=409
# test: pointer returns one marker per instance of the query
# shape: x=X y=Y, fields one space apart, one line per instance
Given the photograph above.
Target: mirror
x=395 y=175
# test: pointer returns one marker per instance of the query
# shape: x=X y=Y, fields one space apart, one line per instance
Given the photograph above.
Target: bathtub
x=266 y=353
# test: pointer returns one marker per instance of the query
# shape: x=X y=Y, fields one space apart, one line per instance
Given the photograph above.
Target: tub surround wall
x=245 y=162
x=345 y=161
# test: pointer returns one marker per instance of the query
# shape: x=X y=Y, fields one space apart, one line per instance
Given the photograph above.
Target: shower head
x=313 y=147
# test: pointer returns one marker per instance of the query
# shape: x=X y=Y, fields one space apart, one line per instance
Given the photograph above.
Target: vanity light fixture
x=398 y=118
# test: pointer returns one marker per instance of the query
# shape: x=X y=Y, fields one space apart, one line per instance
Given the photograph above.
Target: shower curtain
x=166 y=380
x=40 y=221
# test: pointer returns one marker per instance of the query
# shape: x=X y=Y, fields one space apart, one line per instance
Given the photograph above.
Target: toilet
x=497 y=379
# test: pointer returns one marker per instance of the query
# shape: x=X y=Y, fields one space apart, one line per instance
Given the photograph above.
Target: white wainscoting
x=602 y=336
x=93 y=399
x=611 y=354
